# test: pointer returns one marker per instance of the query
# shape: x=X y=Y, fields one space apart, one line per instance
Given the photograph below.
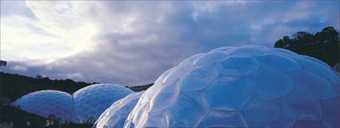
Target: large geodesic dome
x=48 y=103
x=116 y=114
x=92 y=100
x=242 y=87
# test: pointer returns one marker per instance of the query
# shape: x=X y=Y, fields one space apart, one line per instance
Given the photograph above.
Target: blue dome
x=243 y=87
x=116 y=114
x=48 y=103
x=92 y=100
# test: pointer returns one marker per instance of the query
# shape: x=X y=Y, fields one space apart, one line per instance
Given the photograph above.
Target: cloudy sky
x=133 y=42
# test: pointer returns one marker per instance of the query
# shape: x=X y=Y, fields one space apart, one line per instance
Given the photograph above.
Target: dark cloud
x=139 y=40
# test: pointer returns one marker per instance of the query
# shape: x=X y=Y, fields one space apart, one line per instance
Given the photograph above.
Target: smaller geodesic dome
x=92 y=100
x=47 y=103
x=116 y=114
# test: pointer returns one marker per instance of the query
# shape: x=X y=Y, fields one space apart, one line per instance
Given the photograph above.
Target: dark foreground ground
x=15 y=118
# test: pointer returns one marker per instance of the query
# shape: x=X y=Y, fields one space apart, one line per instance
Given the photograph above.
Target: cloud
x=134 y=42
x=43 y=36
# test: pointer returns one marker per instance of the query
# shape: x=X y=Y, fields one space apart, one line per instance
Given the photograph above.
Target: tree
x=327 y=34
x=324 y=45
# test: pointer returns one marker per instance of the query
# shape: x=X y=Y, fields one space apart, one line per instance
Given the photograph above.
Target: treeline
x=323 y=45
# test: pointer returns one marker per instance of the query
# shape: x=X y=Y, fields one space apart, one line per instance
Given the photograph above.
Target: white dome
x=48 y=103
x=116 y=114
x=92 y=100
x=243 y=87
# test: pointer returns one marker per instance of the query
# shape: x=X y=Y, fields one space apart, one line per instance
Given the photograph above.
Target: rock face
x=116 y=114
x=92 y=100
x=48 y=103
x=243 y=87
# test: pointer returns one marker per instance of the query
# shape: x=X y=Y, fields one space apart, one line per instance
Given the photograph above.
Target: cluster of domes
x=85 y=105
x=243 y=87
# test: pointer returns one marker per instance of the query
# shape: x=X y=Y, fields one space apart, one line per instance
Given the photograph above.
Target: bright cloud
x=50 y=35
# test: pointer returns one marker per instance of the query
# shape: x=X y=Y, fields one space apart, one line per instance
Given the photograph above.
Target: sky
x=133 y=42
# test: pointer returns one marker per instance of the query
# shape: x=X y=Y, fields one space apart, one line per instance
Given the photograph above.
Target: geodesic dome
x=242 y=87
x=92 y=100
x=116 y=114
x=47 y=103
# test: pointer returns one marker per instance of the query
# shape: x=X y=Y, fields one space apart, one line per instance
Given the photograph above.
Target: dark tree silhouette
x=324 y=45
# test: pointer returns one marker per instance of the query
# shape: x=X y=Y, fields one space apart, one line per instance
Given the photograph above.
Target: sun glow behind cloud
x=50 y=35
